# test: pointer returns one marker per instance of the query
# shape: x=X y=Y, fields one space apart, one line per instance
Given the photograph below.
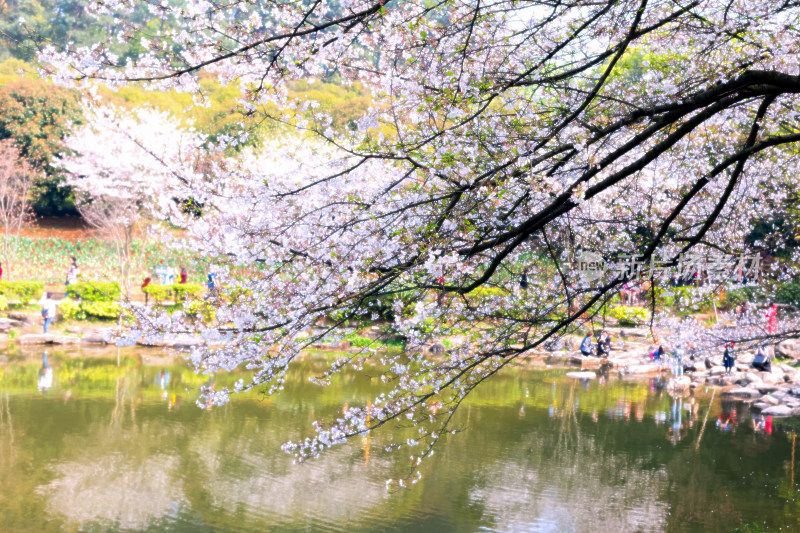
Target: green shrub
x=190 y=290
x=358 y=341
x=158 y=293
x=484 y=294
x=682 y=298
x=21 y=291
x=788 y=293
x=235 y=294
x=71 y=310
x=735 y=297
x=102 y=309
x=95 y=291
x=629 y=316
x=3 y=303
x=200 y=308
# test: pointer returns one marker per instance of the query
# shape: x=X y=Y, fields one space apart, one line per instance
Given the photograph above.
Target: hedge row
x=72 y=310
x=178 y=292
x=95 y=291
x=21 y=291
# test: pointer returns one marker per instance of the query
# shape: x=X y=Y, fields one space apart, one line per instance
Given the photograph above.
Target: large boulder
x=778 y=411
x=769 y=399
x=591 y=363
x=24 y=318
x=729 y=380
x=65 y=339
x=753 y=378
x=575 y=360
x=35 y=338
x=8 y=323
x=554 y=345
x=743 y=392
x=717 y=370
x=787 y=349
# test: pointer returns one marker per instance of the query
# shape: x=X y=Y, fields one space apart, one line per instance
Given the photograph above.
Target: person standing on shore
x=728 y=358
x=772 y=318
x=72 y=275
x=48 y=310
x=211 y=284
x=677 y=361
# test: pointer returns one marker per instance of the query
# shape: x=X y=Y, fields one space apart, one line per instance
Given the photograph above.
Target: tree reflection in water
x=106 y=449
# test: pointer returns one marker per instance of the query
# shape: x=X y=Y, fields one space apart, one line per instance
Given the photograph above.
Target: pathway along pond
x=118 y=444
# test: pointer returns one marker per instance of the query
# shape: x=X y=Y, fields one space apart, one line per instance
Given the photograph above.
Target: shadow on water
x=114 y=441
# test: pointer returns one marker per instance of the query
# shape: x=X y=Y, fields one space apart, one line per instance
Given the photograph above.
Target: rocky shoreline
x=775 y=393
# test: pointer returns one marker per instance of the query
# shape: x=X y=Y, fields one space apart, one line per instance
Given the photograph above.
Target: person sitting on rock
x=728 y=358
x=656 y=354
x=586 y=345
x=604 y=344
x=761 y=361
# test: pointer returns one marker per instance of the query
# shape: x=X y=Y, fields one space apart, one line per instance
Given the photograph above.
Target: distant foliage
x=71 y=310
x=74 y=310
x=106 y=310
x=629 y=315
x=21 y=291
x=158 y=293
x=188 y=290
x=37 y=116
x=95 y=291
x=47 y=259
x=788 y=293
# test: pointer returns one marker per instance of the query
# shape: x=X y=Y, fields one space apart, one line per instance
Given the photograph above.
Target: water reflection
x=109 y=448
x=45 y=374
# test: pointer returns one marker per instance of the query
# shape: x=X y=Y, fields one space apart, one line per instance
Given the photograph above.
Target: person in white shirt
x=48 y=310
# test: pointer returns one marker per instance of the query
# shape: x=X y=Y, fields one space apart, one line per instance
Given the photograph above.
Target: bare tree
x=16 y=180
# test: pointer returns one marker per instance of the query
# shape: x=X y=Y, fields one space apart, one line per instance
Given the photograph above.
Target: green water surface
x=117 y=443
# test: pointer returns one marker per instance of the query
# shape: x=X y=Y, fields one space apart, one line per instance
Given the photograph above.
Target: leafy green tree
x=38 y=116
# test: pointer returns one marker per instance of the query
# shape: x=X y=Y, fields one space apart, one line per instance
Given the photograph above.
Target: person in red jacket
x=184 y=275
x=772 y=318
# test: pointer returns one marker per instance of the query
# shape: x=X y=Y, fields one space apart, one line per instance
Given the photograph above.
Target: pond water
x=117 y=443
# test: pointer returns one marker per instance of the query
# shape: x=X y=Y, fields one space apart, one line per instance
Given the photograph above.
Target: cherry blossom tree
x=123 y=167
x=504 y=135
